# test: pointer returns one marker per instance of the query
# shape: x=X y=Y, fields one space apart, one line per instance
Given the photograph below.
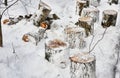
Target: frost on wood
x=82 y=66
x=34 y=37
x=109 y=18
x=86 y=23
x=92 y=12
x=80 y=4
x=43 y=12
x=57 y=52
x=75 y=37
x=95 y=3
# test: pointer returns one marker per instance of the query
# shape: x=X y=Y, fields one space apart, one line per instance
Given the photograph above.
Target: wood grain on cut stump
x=91 y=12
x=57 y=52
x=86 y=23
x=82 y=66
x=75 y=37
x=109 y=18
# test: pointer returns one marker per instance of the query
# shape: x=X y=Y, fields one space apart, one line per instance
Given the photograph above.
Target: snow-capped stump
x=92 y=12
x=43 y=12
x=57 y=52
x=6 y=21
x=34 y=37
x=80 y=4
x=109 y=18
x=82 y=66
x=75 y=37
x=113 y=1
x=95 y=3
x=86 y=23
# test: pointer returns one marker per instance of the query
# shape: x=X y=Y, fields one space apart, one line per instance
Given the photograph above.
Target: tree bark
x=109 y=18
x=113 y=1
x=82 y=66
x=75 y=37
x=91 y=12
x=57 y=54
x=1 y=39
x=80 y=4
x=86 y=23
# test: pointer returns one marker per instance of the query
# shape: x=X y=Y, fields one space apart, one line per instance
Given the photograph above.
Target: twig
x=9 y=7
x=98 y=40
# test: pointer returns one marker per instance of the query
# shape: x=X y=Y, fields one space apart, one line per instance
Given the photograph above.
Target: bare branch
x=98 y=40
x=9 y=7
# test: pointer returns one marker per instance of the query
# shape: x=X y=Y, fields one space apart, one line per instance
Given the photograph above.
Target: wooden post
x=75 y=37
x=92 y=12
x=57 y=52
x=43 y=12
x=82 y=66
x=109 y=18
x=86 y=23
x=80 y=4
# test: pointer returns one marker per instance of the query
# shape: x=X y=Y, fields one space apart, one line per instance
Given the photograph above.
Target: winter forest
x=59 y=38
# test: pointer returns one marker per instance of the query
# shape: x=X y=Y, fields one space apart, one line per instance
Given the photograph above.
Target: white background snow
x=28 y=60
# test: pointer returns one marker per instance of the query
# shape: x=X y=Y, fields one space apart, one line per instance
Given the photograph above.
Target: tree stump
x=92 y=12
x=42 y=14
x=113 y=1
x=109 y=18
x=57 y=52
x=75 y=37
x=86 y=23
x=80 y=4
x=82 y=66
x=95 y=3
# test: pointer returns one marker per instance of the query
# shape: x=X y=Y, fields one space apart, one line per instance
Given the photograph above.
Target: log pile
x=43 y=15
x=57 y=52
x=109 y=18
x=82 y=66
x=75 y=37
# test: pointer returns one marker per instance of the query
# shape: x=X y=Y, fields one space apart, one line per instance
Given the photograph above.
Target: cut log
x=34 y=37
x=42 y=14
x=80 y=4
x=82 y=66
x=95 y=3
x=57 y=52
x=75 y=37
x=92 y=12
x=109 y=18
x=86 y=23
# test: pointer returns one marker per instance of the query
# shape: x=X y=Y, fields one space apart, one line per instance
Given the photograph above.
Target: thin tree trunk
x=1 y=43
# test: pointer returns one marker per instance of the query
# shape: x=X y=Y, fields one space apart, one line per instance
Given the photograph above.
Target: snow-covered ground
x=28 y=60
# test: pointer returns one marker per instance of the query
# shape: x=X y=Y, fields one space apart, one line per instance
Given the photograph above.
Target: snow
x=28 y=60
